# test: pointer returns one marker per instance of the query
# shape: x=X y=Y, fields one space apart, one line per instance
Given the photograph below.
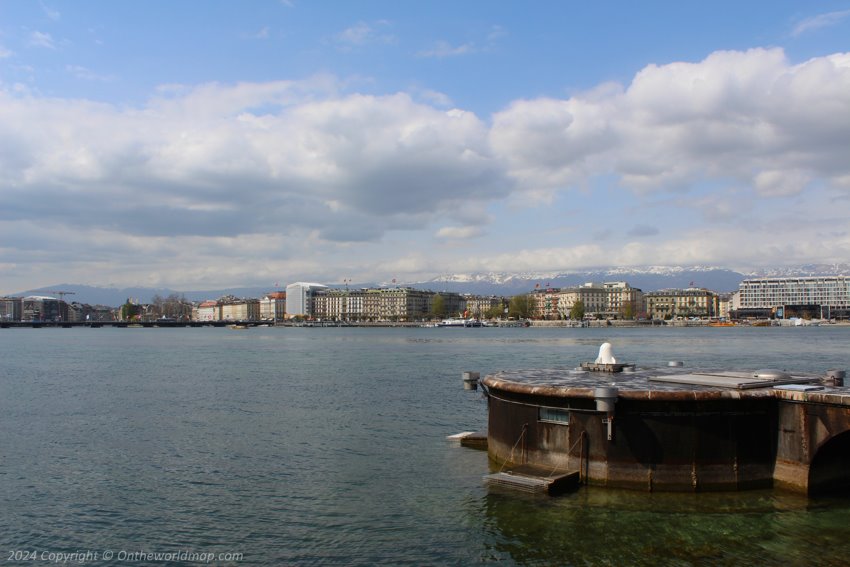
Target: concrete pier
x=674 y=429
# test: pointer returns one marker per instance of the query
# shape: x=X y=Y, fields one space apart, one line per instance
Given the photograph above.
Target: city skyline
x=186 y=145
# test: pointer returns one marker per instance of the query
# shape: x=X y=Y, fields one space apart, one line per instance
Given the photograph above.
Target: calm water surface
x=327 y=446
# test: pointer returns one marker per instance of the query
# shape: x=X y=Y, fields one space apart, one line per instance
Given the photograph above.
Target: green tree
x=520 y=307
x=438 y=306
x=129 y=311
x=628 y=310
x=577 y=311
x=496 y=311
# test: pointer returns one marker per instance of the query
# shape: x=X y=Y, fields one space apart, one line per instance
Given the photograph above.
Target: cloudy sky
x=200 y=145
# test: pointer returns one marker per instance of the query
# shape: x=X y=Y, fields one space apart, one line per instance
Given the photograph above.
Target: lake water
x=297 y=446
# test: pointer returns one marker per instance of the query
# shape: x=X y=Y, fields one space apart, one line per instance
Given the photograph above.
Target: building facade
x=233 y=309
x=682 y=303
x=478 y=306
x=402 y=304
x=38 y=308
x=815 y=296
x=10 y=309
x=207 y=311
x=610 y=300
x=299 y=298
x=273 y=306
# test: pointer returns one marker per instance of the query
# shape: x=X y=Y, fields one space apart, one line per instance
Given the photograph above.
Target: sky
x=202 y=145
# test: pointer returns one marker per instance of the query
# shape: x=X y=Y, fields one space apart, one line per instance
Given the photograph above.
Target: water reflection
x=596 y=526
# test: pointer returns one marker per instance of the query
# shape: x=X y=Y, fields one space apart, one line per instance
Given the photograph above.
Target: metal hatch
x=735 y=380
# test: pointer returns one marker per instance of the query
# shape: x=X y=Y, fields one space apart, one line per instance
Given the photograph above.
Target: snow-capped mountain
x=650 y=278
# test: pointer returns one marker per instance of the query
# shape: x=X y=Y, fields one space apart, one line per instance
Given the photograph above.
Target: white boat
x=457 y=322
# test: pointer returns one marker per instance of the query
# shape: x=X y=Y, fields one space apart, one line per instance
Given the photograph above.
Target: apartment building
x=273 y=306
x=233 y=309
x=676 y=303
x=610 y=300
x=380 y=304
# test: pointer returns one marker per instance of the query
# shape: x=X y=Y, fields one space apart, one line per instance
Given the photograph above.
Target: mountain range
x=651 y=278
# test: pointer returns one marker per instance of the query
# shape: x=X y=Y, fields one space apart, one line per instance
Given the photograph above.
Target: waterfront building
x=338 y=304
x=207 y=311
x=544 y=303
x=83 y=312
x=404 y=304
x=273 y=306
x=675 y=303
x=478 y=306
x=299 y=298
x=609 y=300
x=724 y=305
x=39 y=308
x=812 y=296
x=235 y=309
x=454 y=304
x=381 y=304
x=624 y=301
x=10 y=309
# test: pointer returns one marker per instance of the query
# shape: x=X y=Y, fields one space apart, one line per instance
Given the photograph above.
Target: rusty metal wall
x=688 y=446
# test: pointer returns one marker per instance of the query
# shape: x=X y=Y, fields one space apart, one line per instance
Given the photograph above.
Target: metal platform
x=732 y=380
x=472 y=439
x=532 y=479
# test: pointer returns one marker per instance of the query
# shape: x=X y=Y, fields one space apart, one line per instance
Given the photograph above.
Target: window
x=554 y=415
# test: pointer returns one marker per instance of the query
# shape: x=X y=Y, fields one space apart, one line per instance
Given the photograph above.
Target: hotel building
x=814 y=296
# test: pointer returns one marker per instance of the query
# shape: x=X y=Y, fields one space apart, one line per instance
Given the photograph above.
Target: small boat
x=239 y=327
x=457 y=322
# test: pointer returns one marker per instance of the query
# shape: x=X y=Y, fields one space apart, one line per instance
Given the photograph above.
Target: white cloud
x=819 y=21
x=351 y=168
x=749 y=116
x=41 y=39
x=363 y=33
x=50 y=12
x=443 y=49
x=293 y=177
x=459 y=232
x=4 y=53
x=777 y=183
x=87 y=74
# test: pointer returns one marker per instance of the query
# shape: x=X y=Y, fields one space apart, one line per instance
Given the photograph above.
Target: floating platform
x=527 y=478
x=471 y=439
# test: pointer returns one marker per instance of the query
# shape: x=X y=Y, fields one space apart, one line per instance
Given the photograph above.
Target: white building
x=298 y=298
x=273 y=306
x=812 y=294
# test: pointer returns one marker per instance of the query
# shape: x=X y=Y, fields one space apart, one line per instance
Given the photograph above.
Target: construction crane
x=61 y=294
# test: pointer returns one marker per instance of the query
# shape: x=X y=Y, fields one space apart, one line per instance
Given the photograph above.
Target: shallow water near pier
x=318 y=446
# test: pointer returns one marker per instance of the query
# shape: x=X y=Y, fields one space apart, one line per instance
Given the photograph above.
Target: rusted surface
x=669 y=436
